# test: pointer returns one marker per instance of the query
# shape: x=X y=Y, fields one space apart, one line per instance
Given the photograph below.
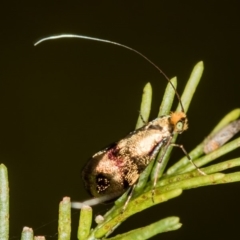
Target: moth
x=113 y=170
x=116 y=168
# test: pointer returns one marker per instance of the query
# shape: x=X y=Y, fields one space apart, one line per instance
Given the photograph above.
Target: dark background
x=64 y=100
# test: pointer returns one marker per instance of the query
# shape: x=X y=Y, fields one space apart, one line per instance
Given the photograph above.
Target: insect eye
x=180 y=126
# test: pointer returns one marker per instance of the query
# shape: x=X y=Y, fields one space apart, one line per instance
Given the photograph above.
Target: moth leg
x=189 y=158
x=130 y=194
x=159 y=164
x=166 y=146
x=169 y=143
x=153 y=155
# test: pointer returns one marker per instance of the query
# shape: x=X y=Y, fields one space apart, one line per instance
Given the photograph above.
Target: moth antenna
x=117 y=44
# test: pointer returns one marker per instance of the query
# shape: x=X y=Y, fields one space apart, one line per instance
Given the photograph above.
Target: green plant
x=171 y=182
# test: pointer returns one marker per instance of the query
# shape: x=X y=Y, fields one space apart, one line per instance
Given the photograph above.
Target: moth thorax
x=179 y=122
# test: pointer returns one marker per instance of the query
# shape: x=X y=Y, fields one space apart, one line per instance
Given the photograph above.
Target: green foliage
x=181 y=176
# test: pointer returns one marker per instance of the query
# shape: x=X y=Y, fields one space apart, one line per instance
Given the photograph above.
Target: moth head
x=179 y=122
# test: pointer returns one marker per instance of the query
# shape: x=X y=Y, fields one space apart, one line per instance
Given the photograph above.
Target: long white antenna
x=114 y=43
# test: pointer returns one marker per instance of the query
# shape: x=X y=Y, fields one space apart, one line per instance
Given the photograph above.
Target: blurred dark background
x=64 y=100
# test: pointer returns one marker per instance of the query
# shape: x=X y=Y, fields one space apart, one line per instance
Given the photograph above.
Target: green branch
x=4 y=203
x=171 y=183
